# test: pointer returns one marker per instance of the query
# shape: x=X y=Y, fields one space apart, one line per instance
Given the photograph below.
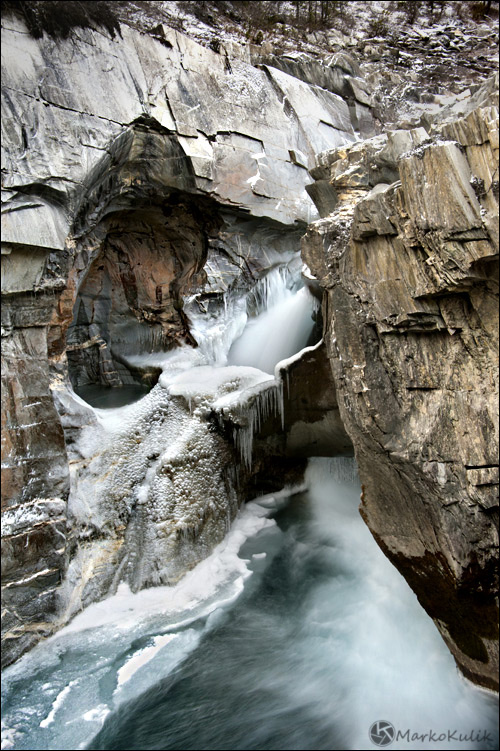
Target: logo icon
x=382 y=733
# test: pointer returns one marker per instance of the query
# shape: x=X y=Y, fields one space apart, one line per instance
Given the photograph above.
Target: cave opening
x=130 y=297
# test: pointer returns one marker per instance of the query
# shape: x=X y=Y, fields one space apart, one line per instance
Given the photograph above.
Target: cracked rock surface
x=410 y=270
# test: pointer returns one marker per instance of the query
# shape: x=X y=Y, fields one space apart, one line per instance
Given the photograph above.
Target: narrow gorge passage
x=296 y=632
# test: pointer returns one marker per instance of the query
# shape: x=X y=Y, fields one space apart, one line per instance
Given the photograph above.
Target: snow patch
x=9 y=735
x=97 y=714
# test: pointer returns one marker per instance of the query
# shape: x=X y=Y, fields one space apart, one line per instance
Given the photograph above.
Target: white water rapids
x=275 y=335
x=295 y=633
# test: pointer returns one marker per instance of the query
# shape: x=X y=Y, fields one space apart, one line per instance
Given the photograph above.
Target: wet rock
x=35 y=486
x=312 y=421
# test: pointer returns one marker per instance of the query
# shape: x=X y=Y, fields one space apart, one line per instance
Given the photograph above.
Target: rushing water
x=296 y=633
x=276 y=334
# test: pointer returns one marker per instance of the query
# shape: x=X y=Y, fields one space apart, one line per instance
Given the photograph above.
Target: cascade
x=215 y=332
x=280 y=330
x=152 y=489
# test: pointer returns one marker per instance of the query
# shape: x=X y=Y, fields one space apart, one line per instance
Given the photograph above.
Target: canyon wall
x=146 y=179
x=409 y=261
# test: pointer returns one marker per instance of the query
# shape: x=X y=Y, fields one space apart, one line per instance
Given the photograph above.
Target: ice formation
x=155 y=484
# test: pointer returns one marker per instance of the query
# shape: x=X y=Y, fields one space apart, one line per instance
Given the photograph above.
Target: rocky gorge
x=151 y=184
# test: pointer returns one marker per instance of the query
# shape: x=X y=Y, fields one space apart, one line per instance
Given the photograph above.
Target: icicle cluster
x=268 y=401
x=215 y=332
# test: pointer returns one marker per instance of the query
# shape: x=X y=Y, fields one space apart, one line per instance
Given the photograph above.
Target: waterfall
x=215 y=332
x=270 y=323
x=276 y=334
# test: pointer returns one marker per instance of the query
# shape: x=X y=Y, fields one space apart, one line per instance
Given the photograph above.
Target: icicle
x=266 y=403
x=281 y=394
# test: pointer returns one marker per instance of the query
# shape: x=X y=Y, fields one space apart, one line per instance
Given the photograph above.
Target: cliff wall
x=409 y=261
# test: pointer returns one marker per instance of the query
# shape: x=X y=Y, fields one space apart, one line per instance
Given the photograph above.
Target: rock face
x=138 y=174
x=312 y=422
x=408 y=257
x=147 y=179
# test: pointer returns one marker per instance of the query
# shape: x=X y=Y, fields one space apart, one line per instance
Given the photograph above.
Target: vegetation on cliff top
x=253 y=18
x=58 y=18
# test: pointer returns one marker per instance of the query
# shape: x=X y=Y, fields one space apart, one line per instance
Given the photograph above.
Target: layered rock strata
x=407 y=253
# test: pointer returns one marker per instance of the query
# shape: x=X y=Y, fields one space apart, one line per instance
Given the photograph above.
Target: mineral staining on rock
x=411 y=274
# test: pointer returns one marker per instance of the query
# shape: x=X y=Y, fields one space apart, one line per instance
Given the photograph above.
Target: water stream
x=276 y=334
x=295 y=633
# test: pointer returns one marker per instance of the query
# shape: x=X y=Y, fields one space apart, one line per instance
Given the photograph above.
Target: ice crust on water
x=142 y=657
x=98 y=713
x=206 y=385
x=8 y=735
